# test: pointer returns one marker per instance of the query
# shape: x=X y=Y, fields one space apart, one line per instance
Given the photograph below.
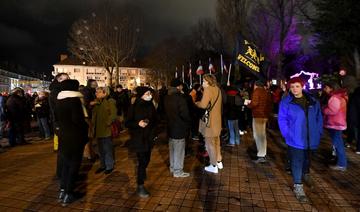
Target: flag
x=211 y=67
x=249 y=57
x=183 y=74
x=199 y=70
x=176 y=74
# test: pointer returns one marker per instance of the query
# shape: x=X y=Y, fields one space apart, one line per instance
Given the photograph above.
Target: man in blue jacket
x=300 y=123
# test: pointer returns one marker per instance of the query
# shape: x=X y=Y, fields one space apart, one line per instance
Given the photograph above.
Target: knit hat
x=295 y=80
x=141 y=90
x=175 y=82
x=259 y=83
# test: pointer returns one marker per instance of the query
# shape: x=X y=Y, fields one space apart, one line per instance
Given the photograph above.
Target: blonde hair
x=211 y=79
x=106 y=90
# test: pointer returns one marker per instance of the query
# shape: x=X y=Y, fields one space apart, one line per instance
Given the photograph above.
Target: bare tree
x=109 y=37
x=206 y=36
x=232 y=18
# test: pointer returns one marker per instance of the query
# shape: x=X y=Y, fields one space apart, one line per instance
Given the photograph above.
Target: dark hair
x=196 y=86
x=119 y=86
x=59 y=75
x=333 y=85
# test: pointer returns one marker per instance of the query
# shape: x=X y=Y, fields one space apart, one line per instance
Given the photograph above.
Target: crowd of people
x=80 y=116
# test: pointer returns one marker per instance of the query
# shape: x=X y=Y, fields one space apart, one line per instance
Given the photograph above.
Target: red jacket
x=261 y=103
x=335 y=111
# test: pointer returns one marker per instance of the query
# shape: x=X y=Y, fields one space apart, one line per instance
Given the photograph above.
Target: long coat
x=69 y=113
x=103 y=114
x=177 y=114
x=141 y=139
x=209 y=96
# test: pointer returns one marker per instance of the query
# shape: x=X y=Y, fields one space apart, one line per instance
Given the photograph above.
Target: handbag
x=115 y=129
x=206 y=117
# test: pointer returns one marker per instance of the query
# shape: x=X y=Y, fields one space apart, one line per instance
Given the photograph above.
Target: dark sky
x=34 y=32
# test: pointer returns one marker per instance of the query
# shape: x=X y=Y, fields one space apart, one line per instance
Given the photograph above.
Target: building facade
x=129 y=77
x=10 y=80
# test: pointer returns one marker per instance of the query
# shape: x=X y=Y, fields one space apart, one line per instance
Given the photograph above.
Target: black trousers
x=70 y=169
x=143 y=162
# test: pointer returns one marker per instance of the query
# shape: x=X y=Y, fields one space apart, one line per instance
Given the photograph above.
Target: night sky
x=34 y=32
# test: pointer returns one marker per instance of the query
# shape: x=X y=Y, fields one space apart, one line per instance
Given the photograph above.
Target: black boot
x=61 y=195
x=142 y=192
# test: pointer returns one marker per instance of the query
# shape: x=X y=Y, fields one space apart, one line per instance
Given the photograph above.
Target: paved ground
x=27 y=182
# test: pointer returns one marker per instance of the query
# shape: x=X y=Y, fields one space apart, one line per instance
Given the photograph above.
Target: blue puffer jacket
x=293 y=122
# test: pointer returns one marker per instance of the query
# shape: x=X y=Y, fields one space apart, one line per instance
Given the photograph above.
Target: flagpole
x=190 y=76
x=228 y=81
x=183 y=74
x=209 y=65
x=222 y=64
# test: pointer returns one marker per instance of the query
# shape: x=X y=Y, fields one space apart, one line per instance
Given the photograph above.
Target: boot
x=299 y=193
x=142 y=192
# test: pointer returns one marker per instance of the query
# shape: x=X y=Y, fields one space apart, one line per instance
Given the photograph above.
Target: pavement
x=27 y=181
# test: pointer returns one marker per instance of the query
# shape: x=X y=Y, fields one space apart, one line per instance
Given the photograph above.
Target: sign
x=249 y=57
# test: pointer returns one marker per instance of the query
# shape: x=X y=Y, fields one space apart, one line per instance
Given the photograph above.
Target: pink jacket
x=335 y=111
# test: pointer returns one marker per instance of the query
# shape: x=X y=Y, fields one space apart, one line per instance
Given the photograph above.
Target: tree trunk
x=357 y=63
x=108 y=78
x=117 y=75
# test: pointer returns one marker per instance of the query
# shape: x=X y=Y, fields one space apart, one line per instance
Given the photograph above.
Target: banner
x=249 y=57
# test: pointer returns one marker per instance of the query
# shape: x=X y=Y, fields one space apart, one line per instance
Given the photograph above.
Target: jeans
x=336 y=138
x=300 y=162
x=213 y=148
x=176 y=155
x=44 y=126
x=16 y=133
x=233 y=126
x=143 y=162
x=106 y=151
x=259 y=131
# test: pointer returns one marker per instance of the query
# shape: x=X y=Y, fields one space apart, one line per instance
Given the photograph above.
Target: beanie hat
x=141 y=90
x=260 y=83
x=175 y=82
x=296 y=80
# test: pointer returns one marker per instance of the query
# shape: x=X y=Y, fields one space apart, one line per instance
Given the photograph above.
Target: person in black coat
x=16 y=114
x=55 y=88
x=73 y=136
x=354 y=117
x=141 y=122
x=178 y=125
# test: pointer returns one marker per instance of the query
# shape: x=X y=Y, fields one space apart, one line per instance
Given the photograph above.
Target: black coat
x=141 y=139
x=177 y=114
x=54 y=88
x=73 y=134
x=16 y=108
x=354 y=109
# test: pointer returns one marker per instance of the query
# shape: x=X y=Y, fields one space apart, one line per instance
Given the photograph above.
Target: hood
x=172 y=91
x=69 y=85
x=340 y=93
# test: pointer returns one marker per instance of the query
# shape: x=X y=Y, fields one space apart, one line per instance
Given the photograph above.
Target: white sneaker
x=241 y=132
x=357 y=152
x=220 y=165
x=211 y=168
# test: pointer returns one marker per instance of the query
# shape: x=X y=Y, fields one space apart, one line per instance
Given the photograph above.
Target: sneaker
x=357 y=152
x=142 y=192
x=108 y=171
x=347 y=145
x=99 y=170
x=309 y=181
x=260 y=160
x=182 y=174
x=61 y=195
x=220 y=165
x=230 y=145
x=338 y=168
x=212 y=168
x=241 y=132
x=195 y=138
x=299 y=193
x=245 y=131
